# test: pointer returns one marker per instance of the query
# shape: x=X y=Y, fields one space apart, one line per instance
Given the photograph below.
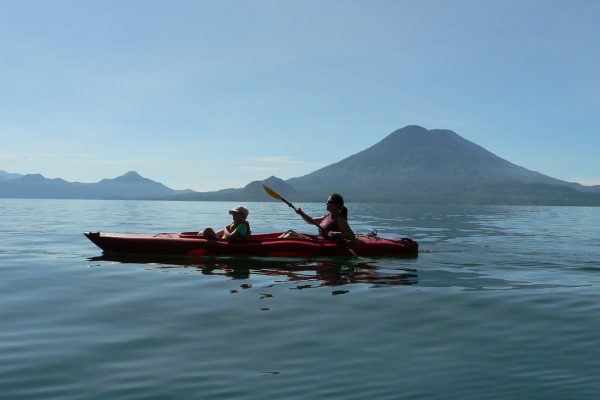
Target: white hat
x=240 y=209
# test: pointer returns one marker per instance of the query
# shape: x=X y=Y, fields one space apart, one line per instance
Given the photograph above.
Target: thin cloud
x=278 y=160
x=12 y=157
x=279 y=165
x=586 y=181
x=258 y=168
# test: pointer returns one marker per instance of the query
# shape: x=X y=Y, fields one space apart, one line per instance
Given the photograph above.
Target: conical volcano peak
x=131 y=174
x=416 y=132
x=418 y=161
x=413 y=128
x=409 y=130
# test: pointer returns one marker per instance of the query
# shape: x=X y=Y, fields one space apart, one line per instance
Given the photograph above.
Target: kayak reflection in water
x=239 y=229
x=334 y=225
x=308 y=273
x=327 y=273
x=305 y=273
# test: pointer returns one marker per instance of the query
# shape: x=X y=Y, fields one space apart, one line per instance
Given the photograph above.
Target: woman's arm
x=226 y=232
x=233 y=234
x=308 y=218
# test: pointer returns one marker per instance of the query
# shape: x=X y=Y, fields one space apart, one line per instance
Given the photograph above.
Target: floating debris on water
x=269 y=372
x=336 y=292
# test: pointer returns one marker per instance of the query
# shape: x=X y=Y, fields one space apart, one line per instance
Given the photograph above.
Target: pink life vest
x=329 y=224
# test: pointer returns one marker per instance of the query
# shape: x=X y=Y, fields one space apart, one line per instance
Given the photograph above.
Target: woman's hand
x=333 y=235
x=340 y=236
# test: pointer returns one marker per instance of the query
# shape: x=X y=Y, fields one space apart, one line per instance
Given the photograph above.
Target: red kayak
x=263 y=245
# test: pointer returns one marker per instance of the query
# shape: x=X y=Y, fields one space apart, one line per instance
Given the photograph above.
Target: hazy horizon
x=127 y=173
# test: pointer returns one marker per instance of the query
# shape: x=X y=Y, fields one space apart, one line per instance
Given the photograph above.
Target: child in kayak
x=333 y=225
x=238 y=230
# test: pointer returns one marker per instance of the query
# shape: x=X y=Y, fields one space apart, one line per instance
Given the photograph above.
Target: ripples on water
x=502 y=302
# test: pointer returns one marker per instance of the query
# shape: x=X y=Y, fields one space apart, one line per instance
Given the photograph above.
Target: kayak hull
x=263 y=245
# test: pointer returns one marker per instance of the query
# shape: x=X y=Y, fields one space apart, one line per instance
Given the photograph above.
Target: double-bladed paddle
x=277 y=196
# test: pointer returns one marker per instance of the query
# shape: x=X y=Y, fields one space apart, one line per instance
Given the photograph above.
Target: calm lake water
x=501 y=303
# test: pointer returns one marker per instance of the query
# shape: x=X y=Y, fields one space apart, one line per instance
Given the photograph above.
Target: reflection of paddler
x=332 y=274
x=329 y=273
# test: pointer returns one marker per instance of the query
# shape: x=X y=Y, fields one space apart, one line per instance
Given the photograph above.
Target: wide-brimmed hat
x=240 y=209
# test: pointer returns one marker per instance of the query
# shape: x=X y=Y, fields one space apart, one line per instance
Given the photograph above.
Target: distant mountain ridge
x=410 y=165
x=5 y=176
x=416 y=165
x=128 y=186
x=251 y=192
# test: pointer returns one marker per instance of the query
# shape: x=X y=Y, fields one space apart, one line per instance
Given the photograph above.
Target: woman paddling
x=334 y=225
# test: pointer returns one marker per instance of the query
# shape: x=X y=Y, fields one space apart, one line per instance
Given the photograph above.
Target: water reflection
x=307 y=273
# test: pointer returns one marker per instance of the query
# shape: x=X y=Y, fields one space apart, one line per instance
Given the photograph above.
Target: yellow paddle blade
x=271 y=192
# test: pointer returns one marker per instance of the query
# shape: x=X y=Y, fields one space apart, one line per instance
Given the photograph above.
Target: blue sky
x=214 y=94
